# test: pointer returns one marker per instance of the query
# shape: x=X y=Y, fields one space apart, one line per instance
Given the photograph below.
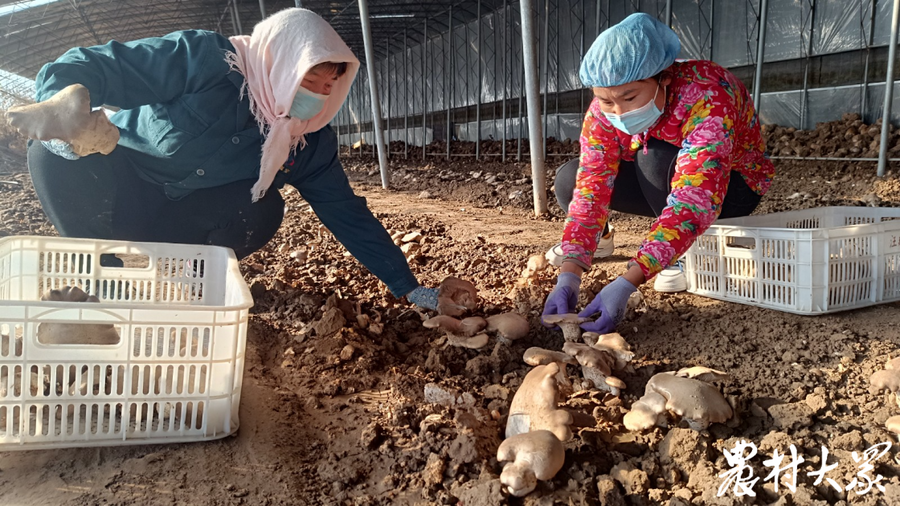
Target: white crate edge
x=879 y=226
x=222 y=368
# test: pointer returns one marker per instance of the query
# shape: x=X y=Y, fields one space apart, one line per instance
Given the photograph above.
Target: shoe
x=671 y=279
x=605 y=247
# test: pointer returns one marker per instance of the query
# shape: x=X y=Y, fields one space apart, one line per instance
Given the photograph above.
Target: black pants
x=642 y=186
x=102 y=197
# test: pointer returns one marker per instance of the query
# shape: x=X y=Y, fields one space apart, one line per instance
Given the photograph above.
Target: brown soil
x=339 y=415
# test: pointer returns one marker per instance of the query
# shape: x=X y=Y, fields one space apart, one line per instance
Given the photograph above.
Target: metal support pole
x=388 y=85
x=373 y=91
x=760 y=51
x=448 y=73
x=545 y=69
x=468 y=67
x=804 y=99
x=298 y=3
x=478 y=102
x=888 y=91
x=233 y=23
x=424 y=87
x=712 y=23
x=262 y=8
x=508 y=13
x=869 y=43
x=237 y=17
x=405 y=98
x=538 y=175
x=521 y=109
x=581 y=53
x=668 y=13
x=597 y=17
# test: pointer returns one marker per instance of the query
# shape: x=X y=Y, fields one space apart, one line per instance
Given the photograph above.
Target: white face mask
x=638 y=120
x=307 y=104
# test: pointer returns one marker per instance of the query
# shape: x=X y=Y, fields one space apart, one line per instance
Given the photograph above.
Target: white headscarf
x=273 y=60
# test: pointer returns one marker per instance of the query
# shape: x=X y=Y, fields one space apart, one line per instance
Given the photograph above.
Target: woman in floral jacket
x=677 y=141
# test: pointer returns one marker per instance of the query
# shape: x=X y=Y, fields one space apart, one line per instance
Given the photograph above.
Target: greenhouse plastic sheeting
x=826 y=104
x=451 y=67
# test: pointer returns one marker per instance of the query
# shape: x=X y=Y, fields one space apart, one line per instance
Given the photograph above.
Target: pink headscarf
x=273 y=61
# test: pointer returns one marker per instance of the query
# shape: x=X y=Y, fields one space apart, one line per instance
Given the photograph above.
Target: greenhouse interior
x=417 y=252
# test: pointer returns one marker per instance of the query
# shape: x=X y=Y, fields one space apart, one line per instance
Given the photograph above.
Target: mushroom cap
x=589 y=356
x=456 y=296
x=534 y=406
x=563 y=319
x=615 y=382
x=443 y=322
x=886 y=379
x=541 y=356
x=645 y=412
x=893 y=424
x=69 y=294
x=536 y=454
x=893 y=363
x=537 y=263
x=613 y=341
x=474 y=342
x=696 y=401
x=703 y=374
x=510 y=326
x=472 y=325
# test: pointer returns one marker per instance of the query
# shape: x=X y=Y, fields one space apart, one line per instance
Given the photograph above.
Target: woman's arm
x=701 y=177
x=147 y=71
x=589 y=210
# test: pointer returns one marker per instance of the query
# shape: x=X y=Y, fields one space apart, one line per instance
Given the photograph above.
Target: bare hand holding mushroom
x=67 y=116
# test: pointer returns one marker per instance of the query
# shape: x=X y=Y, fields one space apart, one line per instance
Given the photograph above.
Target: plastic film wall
x=416 y=78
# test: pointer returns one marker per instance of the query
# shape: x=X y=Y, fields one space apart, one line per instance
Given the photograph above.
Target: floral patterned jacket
x=711 y=116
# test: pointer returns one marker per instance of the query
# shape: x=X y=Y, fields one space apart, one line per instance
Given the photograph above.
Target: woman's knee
x=564 y=184
x=255 y=225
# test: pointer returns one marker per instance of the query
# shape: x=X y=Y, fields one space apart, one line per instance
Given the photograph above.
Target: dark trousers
x=102 y=197
x=642 y=186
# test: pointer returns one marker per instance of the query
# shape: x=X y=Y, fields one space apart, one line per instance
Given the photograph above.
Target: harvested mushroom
x=529 y=457
x=540 y=356
x=534 y=405
x=570 y=323
x=612 y=343
x=646 y=412
x=75 y=333
x=887 y=379
x=509 y=326
x=456 y=296
x=596 y=366
x=460 y=333
x=893 y=424
x=536 y=264
x=698 y=403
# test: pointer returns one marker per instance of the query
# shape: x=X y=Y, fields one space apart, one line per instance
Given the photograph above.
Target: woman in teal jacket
x=208 y=129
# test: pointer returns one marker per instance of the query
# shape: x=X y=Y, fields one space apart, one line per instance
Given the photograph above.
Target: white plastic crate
x=175 y=374
x=808 y=262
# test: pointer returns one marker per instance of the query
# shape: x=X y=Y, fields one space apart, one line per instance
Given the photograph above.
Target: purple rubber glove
x=611 y=303
x=564 y=297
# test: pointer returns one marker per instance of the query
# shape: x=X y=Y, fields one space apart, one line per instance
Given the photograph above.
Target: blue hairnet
x=638 y=47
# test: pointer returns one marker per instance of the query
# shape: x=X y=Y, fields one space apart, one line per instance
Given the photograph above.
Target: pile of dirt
x=847 y=138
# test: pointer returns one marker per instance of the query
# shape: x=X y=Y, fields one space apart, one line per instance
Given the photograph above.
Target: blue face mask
x=638 y=120
x=307 y=104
